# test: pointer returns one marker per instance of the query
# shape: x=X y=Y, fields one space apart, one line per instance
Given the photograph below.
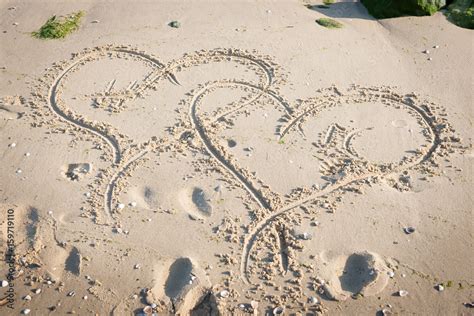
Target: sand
x=248 y=162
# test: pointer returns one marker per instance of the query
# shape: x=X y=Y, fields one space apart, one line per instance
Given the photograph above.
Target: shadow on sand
x=343 y=10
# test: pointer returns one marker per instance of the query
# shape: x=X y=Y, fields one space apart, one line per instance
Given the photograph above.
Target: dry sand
x=248 y=162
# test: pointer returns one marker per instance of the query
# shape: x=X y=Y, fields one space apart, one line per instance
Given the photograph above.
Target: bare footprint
x=38 y=247
x=180 y=284
x=145 y=196
x=195 y=202
x=358 y=273
x=11 y=107
x=150 y=197
x=76 y=171
x=73 y=262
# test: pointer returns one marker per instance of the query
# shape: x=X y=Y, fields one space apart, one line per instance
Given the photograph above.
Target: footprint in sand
x=195 y=202
x=180 y=275
x=76 y=171
x=11 y=107
x=144 y=196
x=358 y=273
x=6 y=114
x=180 y=284
x=73 y=262
x=150 y=197
x=37 y=245
x=44 y=248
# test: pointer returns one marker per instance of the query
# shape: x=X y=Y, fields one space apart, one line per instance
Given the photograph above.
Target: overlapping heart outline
x=125 y=152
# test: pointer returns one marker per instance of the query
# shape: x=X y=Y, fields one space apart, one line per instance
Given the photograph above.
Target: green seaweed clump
x=329 y=23
x=461 y=13
x=382 y=9
x=59 y=27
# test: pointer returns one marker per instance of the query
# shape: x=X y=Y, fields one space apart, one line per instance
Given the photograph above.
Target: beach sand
x=249 y=162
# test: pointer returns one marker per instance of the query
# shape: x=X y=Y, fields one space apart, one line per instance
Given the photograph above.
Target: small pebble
x=402 y=293
x=313 y=300
x=175 y=24
x=148 y=310
x=26 y=311
x=19 y=171
x=426 y=51
x=436 y=46
x=27 y=154
x=386 y=312
x=391 y=274
x=409 y=230
x=84 y=297
x=440 y=287
x=137 y=266
x=27 y=298
x=87 y=194
x=37 y=291
x=12 y=145
x=95 y=21
x=4 y=283
x=133 y=204
x=120 y=206
x=71 y=294
x=15 y=23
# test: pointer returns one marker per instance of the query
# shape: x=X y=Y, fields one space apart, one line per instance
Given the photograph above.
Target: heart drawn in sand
x=329 y=156
x=321 y=149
